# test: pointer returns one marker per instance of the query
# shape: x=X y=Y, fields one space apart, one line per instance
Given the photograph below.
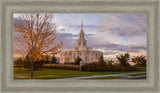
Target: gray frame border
x=156 y=6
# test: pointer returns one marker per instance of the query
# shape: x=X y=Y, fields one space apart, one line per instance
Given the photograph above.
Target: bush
x=61 y=66
x=93 y=67
x=121 y=68
x=97 y=67
x=90 y=67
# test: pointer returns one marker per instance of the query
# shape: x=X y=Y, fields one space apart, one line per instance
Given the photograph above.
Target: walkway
x=19 y=76
x=125 y=75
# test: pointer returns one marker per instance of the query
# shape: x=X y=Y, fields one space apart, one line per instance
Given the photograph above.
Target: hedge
x=61 y=66
x=91 y=67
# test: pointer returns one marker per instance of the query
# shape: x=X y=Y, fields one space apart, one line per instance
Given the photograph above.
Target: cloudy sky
x=111 y=33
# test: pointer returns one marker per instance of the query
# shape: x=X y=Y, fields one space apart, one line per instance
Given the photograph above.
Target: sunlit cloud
x=60 y=28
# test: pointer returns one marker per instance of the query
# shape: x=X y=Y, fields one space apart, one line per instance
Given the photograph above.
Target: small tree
x=123 y=59
x=37 y=33
x=54 y=60
x=19 y=62
x=110 y=63
x=47 y=59
x=101 y=60
x=43 y=59
x=77 y=60
x=116 y=63
x=27 y=63
x=140 y=61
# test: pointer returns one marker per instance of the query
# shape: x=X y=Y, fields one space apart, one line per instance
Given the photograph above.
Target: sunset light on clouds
x=111 y=33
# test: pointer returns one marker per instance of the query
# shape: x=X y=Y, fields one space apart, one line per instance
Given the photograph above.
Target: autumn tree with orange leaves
x=37 y=33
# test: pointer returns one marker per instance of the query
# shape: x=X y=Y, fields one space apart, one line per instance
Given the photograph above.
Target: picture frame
x=150 y=7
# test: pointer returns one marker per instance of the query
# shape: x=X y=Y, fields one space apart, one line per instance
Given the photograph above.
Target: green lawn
x=56 y=73
x=109 y=77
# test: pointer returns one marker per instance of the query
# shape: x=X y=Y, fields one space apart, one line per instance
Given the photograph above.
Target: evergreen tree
x=101 y=60
x=27 y=63
x=47 y=59
x=19 y=62
x=77 y=60
x=54 y=60
x=110 y=63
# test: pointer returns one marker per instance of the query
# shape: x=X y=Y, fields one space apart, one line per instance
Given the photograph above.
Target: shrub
x=93 y=67
x=121 y=68
x=90 y=67
x=61 y=66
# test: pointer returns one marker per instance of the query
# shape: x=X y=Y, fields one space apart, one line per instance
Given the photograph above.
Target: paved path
x=19 y=76
x=125 y=75
x=137 y=77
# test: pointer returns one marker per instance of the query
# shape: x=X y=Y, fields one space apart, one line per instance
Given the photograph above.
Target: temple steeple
x=81 y=40
x=81 y=34
x=81 y=24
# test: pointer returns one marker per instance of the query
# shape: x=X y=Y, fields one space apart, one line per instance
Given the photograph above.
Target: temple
x=82 y=50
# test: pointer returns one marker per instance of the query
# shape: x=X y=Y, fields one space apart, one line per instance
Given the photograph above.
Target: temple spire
x=81 y=24
x=81 y=34
x=81 y=40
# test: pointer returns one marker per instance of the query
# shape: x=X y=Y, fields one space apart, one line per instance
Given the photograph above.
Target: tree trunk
x=32 y=67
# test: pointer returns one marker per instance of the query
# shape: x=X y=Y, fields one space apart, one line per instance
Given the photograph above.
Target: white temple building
x=82 y=50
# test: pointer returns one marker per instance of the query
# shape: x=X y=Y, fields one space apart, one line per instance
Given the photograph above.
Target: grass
x=109 y=77
x=137 y=74
x=56 y=73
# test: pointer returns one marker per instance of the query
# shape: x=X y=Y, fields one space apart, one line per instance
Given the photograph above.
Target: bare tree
x=37 y=33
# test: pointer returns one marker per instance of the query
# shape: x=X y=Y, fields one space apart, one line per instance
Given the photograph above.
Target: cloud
x=115 y=48
x=125 y=25
x=60 y=28
x=68 y=40
x=112 y=47
x=84 y=26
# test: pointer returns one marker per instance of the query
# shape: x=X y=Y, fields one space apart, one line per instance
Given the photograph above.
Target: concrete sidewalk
x=125 y=75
